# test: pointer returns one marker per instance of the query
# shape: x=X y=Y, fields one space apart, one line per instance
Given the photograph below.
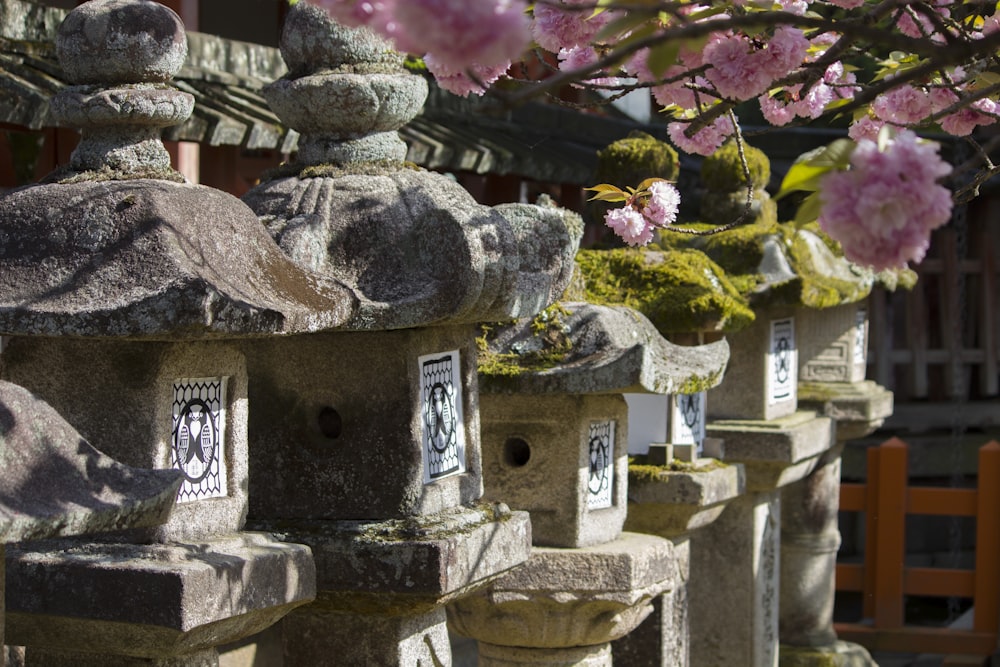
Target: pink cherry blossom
x=459 y=82
x=664 y=200
x=459 y=33
x=582 y=56
x=903 y=105
x=784 y=53
x=883 y=209
x=706 y=140
x=735 y=70
x=673 y=93
x=628 y=223
x=865 y=127
x=555 y=28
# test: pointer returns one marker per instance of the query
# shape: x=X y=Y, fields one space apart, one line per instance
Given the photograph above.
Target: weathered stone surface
x=611 y=349
x=392 y=568
x=663 y=639
x=810 y=539
x=734 y=569
x=82 y=378
x=415 y=246
x=858 y=407
x=491 y=655
x=150 y=259
x=746 y=391
x=777 y=451
x=330 y=638
x=55 y=484
x=570 y=597
x=676 y=502
x=121 y=41
x=537 y=457
x=49 y=658
x=152 y=601
x=340 y=417
x=838 y=654
x=310 y=41
x=833 y=343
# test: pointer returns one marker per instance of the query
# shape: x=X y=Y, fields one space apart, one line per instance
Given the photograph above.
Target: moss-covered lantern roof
x=680 y=290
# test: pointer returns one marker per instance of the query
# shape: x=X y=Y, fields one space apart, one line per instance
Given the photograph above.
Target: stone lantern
x=54 y=484
x=806 y=322
x=366 y=442
x=554 y=432
x=125 y=293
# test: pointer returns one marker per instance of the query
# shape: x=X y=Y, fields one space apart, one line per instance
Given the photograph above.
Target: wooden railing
x=884 y=579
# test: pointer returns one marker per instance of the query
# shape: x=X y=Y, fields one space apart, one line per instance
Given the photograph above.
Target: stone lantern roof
x=116 y=244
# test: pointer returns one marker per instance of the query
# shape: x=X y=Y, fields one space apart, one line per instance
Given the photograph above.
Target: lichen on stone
x=640 y=471
x=635 y=158
x=66 y=174
x=681 y=290
x=548 y=346
x=722 y=171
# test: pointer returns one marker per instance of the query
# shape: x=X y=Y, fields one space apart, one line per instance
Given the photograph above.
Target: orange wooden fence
x=884 y=579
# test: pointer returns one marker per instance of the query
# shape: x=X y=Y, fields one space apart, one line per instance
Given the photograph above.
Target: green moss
x=550 y=346
x=639 y=471
x=679 y=291
x=639 y=156
x=802 y=656
x=66 y=175
x=722 y=171
x=699 y=383
x=739 y=252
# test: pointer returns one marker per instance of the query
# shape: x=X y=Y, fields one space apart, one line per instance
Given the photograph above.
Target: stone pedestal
x=140 y=604
x=312 y=638
x=565 y=606
x=673 y=504
x=809 y=543
x=810 y=534
x=735 y=561
x=734 y=568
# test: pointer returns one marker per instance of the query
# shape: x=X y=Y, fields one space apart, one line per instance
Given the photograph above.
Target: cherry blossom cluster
x=651 y=206
x=884 y=207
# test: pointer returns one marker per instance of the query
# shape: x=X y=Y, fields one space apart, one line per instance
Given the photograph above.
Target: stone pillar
x=554 y=444
x=809 y=543
x=735 y=561
x=832 y=383
x=675 y=504
x=734 y=568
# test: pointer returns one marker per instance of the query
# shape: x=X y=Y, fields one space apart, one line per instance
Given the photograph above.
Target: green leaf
x=809 y=210
x=837 y=154
x=609 y=197
x=801 y=176
x=608 y=192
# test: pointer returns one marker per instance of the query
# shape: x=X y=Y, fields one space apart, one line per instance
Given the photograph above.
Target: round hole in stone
x=330 y=423
x=516 y=452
